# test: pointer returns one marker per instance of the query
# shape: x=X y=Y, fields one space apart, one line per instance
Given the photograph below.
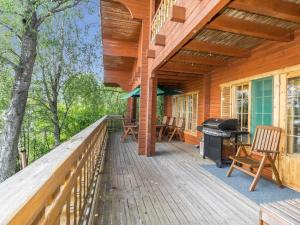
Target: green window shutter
x=261 y=103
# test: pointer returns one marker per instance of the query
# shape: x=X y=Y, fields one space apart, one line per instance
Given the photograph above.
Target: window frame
x=284 y=81
x=183 y=111
x=234 y=100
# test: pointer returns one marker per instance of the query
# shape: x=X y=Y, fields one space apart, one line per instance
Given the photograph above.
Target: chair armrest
x=240 y=144
x=265 y=151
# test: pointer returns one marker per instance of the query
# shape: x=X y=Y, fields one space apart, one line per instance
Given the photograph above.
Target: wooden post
x=23 y=158
x=131 y=109
x=145 y=76
x=151 y=129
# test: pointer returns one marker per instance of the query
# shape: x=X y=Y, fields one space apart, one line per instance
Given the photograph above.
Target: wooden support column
x=147 y=137
x=134 y=109
x=131 y=109
x=151 y=118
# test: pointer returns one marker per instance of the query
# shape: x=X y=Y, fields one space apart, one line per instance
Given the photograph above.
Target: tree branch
x=11 y=63
x=56 y=9
x=11 y=12
x=11 y=29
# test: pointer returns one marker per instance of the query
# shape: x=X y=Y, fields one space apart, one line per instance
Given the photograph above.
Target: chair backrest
x=180 y=123
x=171 y=121
x=266 y=139
x=165 y=120
x=123 y=123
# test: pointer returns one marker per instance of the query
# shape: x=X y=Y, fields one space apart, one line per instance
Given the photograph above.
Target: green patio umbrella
x=161 y=91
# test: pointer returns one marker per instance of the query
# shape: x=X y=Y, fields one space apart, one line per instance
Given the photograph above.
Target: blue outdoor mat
x=265 y=191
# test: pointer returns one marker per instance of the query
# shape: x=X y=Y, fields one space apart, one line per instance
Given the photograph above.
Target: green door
x=261 y=103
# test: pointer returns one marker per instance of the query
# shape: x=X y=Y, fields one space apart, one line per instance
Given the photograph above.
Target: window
x=293 y=115
x=261 y=103
x=236 y=100
x=186 y=106
x=241 y=107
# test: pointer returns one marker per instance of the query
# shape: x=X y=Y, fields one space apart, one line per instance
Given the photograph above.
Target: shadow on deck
x=169 y=188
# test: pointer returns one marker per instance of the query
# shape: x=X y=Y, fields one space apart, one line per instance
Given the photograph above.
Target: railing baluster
x=162 y=14
x=68 y=211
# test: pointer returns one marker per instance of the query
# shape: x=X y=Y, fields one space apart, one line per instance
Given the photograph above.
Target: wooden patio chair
x=177 y=130
x=170 y=125
x=265 y=143
x=161 y=127
x=129 y=129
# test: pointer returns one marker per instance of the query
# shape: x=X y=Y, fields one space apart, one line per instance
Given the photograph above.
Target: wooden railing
x=115 y=123
x=59 y=187
x=161 y=15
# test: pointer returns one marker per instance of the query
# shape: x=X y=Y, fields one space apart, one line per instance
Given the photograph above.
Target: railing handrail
x=34 y=183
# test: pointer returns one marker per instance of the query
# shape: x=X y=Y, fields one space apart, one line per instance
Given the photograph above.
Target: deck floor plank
x=168 y=189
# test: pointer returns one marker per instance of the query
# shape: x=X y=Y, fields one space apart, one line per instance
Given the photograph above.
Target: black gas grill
x=218 y=134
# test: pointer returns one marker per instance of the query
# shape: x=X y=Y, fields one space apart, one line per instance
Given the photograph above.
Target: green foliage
x=6 y=82
x=63 y=40
x=91 y=101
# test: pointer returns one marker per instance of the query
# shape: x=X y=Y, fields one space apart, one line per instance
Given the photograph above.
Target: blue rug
x=265 y=191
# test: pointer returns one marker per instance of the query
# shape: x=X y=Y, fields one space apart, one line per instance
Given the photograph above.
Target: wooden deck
x=170 y=188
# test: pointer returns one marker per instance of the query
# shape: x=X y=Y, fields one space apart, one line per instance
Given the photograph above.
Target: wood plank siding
x=170 y=189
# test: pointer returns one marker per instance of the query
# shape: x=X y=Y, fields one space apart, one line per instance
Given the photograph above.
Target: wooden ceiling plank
x=203 y=46
x=274 y=8
x=179 y=77
x=113 y=47
x=249 y=28
x=174 y=78
x=176 y=74
x=185 y=68
x=199 y=59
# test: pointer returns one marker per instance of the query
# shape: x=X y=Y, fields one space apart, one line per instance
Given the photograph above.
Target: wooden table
x=129 y=129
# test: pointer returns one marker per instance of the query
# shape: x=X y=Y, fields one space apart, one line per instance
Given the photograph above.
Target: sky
x=91 y=16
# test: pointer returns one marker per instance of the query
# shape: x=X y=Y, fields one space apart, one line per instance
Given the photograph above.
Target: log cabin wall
x=195 y=86
x=266 y=58
x=168 y=106
x=274 y=58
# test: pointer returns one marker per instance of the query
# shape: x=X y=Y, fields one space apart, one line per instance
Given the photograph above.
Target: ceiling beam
x=204 y=46
x=177 y=74
x=112 y=47
x=254 y=29
x=199 y=59
x=275 y=8
x=166 y=77
x=186 y=68
x=169 y=82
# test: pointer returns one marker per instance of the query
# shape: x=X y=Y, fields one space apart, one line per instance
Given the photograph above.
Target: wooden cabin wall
x=269 y=57
x=196 y=85
x=168 y=106
x=266 y=58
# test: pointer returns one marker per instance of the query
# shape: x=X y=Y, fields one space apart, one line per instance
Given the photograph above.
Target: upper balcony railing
x=161 y=15
x=58 y=188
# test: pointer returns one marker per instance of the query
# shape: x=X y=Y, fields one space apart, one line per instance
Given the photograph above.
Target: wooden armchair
x=265 y=143
x=177 y=130
x=129 y=129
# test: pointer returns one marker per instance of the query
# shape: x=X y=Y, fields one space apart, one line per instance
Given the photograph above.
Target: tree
x=21 y=35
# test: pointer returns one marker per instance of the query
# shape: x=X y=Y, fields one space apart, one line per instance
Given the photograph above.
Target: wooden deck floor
x=168 y=189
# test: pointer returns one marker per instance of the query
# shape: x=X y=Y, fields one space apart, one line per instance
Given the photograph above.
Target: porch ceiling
x=118 y=63
x=117 y=22
x=120 y=35
x=236 y=30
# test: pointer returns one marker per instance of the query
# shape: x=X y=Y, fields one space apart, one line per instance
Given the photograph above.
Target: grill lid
x=221 y=124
